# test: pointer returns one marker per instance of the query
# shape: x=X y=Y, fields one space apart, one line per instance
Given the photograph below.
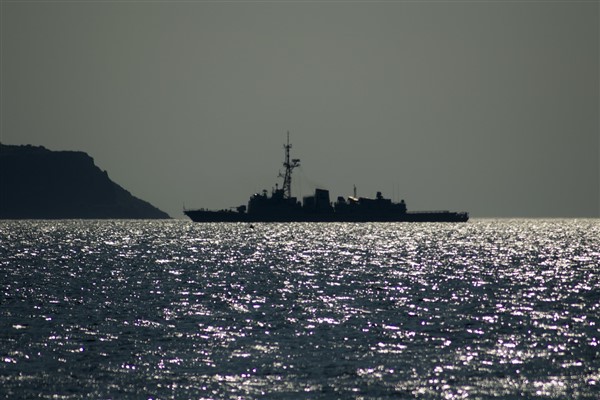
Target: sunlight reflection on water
x=487 y=309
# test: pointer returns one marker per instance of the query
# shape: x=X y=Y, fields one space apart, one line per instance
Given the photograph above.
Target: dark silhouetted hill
x=39 y=183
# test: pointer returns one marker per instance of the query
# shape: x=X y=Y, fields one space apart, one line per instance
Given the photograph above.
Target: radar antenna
x=289 y=166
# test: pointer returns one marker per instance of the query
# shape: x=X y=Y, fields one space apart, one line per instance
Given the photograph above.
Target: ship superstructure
x=281 y=206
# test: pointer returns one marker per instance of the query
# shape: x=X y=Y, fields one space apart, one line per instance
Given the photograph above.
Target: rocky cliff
x=39 y=183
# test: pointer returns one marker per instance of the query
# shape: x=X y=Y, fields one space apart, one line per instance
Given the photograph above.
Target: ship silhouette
x=281 y=206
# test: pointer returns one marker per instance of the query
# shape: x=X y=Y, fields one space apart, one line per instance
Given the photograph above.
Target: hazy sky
x=490 y=107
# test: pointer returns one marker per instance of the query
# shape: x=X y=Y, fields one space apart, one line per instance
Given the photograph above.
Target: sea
x=124 y=309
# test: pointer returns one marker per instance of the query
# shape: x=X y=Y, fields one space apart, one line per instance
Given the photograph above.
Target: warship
x=281 y=206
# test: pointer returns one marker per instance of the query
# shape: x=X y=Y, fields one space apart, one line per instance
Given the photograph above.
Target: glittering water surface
x=125 y=309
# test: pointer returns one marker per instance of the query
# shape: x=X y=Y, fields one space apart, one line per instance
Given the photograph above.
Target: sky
x=490 y=107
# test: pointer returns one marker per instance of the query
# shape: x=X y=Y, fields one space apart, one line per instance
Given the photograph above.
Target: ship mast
x=289 y=166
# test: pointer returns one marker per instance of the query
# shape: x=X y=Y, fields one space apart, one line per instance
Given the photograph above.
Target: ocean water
x=490 y=309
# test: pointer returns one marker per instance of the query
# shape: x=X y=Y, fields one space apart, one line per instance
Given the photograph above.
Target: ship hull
x=232 y=216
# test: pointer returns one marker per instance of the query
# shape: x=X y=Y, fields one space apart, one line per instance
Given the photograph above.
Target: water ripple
x=487 y=309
